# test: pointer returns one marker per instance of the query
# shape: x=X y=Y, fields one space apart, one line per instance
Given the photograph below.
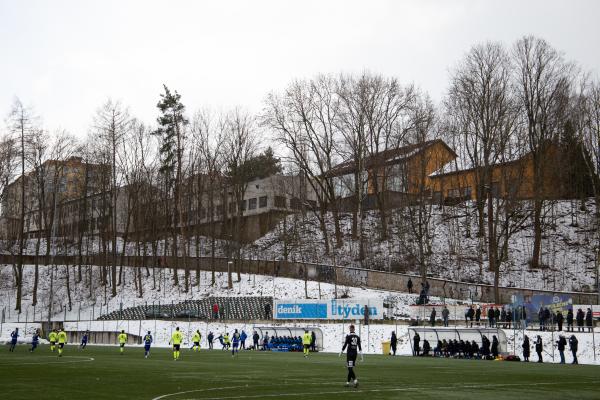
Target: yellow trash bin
x=385 y=347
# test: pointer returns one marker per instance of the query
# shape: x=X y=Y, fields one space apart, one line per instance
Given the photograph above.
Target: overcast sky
x=65 y=58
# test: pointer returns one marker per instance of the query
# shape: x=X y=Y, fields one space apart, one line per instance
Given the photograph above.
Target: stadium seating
x=244 y=308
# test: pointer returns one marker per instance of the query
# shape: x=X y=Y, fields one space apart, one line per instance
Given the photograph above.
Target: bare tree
x=111 y=123
x=240 y=145
x=304 y=118
x=542 y=77
x=481 y=101
x=21 y=123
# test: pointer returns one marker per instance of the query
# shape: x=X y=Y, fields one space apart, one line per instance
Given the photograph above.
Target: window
x=262 y=202
x=453 y=193
x=243 y=205
x=495 y=190
x=295 y=203
x=437 y=197
x=467 y=192
x=252 y=204
x=279 y=201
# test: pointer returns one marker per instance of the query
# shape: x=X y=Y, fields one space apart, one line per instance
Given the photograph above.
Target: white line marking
x=85 y=359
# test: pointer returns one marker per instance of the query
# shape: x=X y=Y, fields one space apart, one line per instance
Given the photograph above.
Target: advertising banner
x=336 y=309
x=554 y=303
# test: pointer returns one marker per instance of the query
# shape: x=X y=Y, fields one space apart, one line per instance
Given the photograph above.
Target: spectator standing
x=580 y=316
x=526 y=348
x=491 y=316
x=509 y=316
x=503 y=317
x=589 y=322
x=432 y=317
x=561 y=343
x=409 y=286
x=541 y=318
x=267 y=311
x=416 y=341
x=445 y=315
x=496 y=316
x=215 y=310
x=469 y=316
x=547 y=319
x=393 y=342
x=570 y=320
x=539 y=347
x=255 y=339
x=573 y=347
x=313 y=341
x=559 y=320
x=478 y=315
x=243 y=338
x=495 y=345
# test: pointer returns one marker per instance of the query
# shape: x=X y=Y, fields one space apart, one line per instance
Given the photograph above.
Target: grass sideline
x=100 y=372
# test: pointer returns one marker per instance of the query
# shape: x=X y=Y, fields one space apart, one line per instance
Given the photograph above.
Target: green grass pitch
x=101 y=373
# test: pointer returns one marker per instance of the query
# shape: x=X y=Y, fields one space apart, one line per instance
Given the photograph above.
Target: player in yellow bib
x=62 y=340
x=176 y=340
x=52 y=338
x=122 y=341
x=306 y=340
x=196 y=340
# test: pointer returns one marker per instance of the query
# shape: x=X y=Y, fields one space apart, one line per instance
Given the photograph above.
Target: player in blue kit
x=147 y=344
x=235 y=342
x=35 y=340
x=84 y=340
x=14 y=335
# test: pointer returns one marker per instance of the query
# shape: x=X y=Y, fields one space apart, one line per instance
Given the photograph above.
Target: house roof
x=388 y=157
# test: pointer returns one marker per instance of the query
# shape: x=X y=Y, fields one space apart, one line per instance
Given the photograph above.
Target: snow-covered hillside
x=89 y=302
x=568 y=246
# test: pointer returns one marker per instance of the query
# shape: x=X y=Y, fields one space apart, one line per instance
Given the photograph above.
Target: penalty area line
x=56 y=361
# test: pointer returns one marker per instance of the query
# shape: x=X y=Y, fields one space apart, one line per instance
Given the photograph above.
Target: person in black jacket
x=570 y=320
x=496 y=316
x=579 y=318
x=432 y=317
x=539 y=347
x=561 y=343
x=255 y=338
x=589 y=323
x=495 y=345
x=485 y=346
x=573 y=347
x=426 y=348
x=416 y=341
x=490 y=315
x=526 y=348
x=469 y=316
x=477 y=315
x=559 y=320
x=393 y=342
x=409 y=285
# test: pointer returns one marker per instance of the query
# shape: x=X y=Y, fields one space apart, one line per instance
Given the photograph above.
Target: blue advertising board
x=340 y=309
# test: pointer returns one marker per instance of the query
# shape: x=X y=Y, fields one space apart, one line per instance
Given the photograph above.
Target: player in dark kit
x=353 y=344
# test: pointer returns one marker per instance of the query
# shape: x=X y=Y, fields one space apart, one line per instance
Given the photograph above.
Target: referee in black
x=353 y=344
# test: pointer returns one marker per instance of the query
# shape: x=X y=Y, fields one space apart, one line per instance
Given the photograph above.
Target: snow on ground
x=568 y=246
x=158 y=288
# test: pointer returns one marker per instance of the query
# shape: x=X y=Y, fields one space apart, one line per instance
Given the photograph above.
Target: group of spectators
x=457 y=348
x=505 y=317
x=561 y=345
x=453 y=348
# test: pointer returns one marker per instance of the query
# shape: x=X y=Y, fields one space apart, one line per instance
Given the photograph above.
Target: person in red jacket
x=215 y=309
